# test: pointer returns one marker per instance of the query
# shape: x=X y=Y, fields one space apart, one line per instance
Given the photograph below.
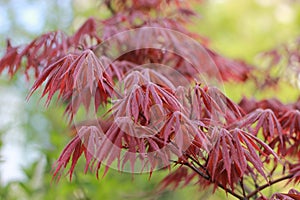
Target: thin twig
x=242 y=186
x=109 y=6
x=207 y=177
x=195 y=161
x=262 y=187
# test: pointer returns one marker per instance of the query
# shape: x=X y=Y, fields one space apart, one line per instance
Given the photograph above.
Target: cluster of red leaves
x=152 y=116
x=40 y=52
x=48 y=48
x=147 y=121
x=236 y=152
x=77 y=78
x=291 y=195
x=279 y=123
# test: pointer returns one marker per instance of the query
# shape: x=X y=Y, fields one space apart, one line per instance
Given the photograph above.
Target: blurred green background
x=32 y=136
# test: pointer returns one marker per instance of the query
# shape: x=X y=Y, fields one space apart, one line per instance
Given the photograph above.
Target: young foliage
x=160 y=108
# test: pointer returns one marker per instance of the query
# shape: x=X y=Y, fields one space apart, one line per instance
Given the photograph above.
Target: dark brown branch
x=206 y=174
x=207 y=177
x=109 y=6
x=242 y=186
x=231 y=192
x=262 y=187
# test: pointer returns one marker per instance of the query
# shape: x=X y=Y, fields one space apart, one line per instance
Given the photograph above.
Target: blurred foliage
x=242 y=29
x=238 y=29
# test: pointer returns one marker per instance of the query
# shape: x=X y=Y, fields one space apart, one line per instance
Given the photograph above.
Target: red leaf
x=295 y=169
x=40 y=53
x=231 y=156
x=78 y=77
x=231 y=69
x=86 y=35
x=226 y=158
x=264 y=120
x=73 y=148
x=291 y=195
x=174 y=179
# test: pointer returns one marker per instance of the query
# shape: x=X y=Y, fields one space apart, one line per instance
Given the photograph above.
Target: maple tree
x=155 y=82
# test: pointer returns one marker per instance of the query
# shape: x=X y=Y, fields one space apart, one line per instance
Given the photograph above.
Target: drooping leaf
x=180 y=177
x=42 y=51
x=231 y=156
x=77 y=78
x=87 y=35
x=291 y=195
x=295 y=170
x=264 y=120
